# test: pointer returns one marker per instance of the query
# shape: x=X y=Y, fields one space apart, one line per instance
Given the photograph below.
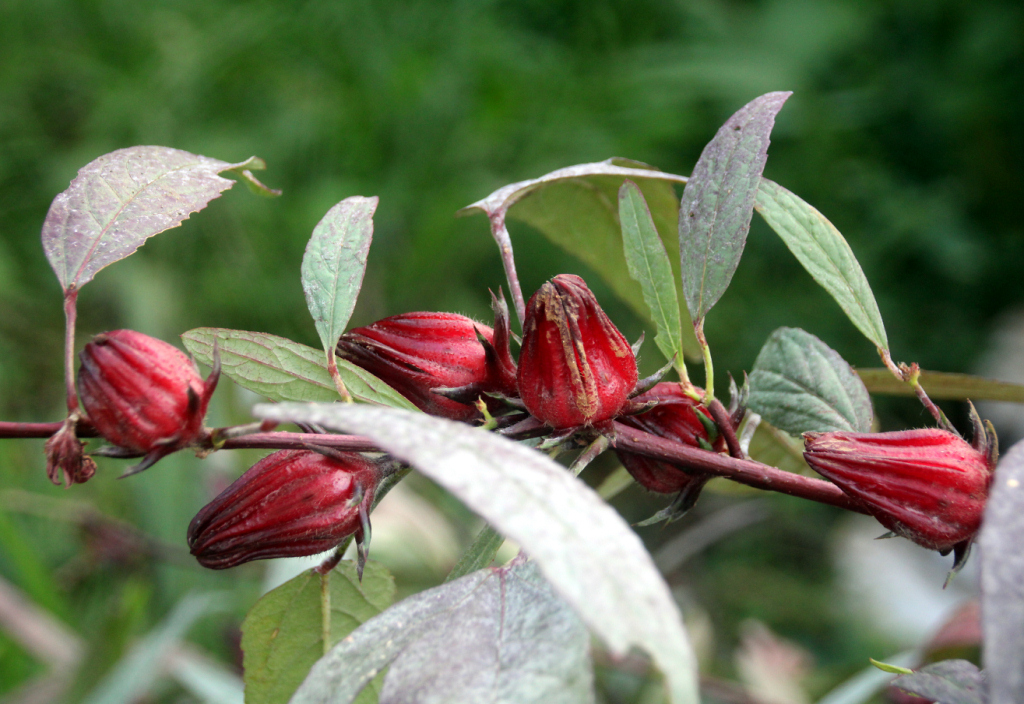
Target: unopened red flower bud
x=927 y=485
x=575 y=367
x=675 y=418
x=417 y=353
x=142 y=394
x=291 y=503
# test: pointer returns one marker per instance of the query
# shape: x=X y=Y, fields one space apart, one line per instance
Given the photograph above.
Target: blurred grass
x=903 y=130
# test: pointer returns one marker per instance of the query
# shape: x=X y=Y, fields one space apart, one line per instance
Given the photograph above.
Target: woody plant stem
x=749 y=472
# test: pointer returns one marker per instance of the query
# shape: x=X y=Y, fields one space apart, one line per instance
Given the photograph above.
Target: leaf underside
x=585 y=550
x=949 y=682
x=119 y=200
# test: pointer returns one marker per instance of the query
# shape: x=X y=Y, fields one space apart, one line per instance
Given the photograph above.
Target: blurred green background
x=904 y=129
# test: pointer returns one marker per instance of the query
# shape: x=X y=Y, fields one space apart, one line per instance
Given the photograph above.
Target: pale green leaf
x=650 y=266
x=282 y=370
x=825 y=254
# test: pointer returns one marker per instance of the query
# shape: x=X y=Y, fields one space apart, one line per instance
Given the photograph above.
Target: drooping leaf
x=577 y=209
x=334 y=263
x=825 y=254
x=800 y=384
x=136 y=674
x=282 y=636
x=583 y=547
x=121 y=199
x=498 y=635
x=718 y=202
x=1002 y=579
x=650 y=266
x=944 y=385
x=283 y=370
x=949 y=682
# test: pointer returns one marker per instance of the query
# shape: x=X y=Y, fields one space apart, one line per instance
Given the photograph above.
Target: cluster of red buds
x=576 y=372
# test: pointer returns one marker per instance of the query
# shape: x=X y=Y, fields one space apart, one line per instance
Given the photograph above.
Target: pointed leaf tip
x=718 y=202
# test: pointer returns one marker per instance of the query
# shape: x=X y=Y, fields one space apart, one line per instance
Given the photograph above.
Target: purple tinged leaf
x=1002 y=579
x=585 y=550
x=334 y=263
x=718 y=202
x=949 y=682
x=119 y=200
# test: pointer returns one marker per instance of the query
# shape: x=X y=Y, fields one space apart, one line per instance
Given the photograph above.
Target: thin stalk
x=500 y=234
x=749 y=472
x=70 y=315
x=709 y=367
x=332 y=369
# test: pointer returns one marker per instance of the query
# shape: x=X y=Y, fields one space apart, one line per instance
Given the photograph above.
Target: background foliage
x=903 y=130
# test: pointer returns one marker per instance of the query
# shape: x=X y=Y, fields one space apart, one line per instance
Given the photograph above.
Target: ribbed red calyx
x=418 y=352
x=141 y=393
x=675 y=418
x=575 y=367
x=291 y=503
x=927 y=485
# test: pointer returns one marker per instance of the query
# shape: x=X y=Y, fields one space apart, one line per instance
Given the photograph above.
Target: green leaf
x=121 y=199
x=496 y=635
x=1002 y=574
x=718 y=202
x=825 y=254
x=650 y=266
x=282 y=636
x=800 y=384
x=334 y=263
x=283 y=370
x=479 y=554
x=943 y=385
x=577 y=209
x=950 y=682
x=585 y=549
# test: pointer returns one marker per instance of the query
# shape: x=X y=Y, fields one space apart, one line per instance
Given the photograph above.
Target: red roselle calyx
x=142 y=394
x=291 y=503
x=575 y=367
x=675 y=418
x=927 y=485
x=417 y=353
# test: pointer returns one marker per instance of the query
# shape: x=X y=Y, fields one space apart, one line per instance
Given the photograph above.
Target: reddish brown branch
x=299 y=441
x=724 y=422
x=749 y=472
x=84 y=429
x=70 y=313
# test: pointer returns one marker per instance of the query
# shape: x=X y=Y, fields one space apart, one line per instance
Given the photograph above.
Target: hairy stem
x=504 y=241
x=70 y=314
x=709 y=368
x=332 y=369
x=749 y=472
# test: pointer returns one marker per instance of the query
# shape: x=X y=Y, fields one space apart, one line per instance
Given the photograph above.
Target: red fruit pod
x=675 y=418
x=418 y=352
x=142 y=394
x=291 y=503
x=927 y=485
x=575 y=367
